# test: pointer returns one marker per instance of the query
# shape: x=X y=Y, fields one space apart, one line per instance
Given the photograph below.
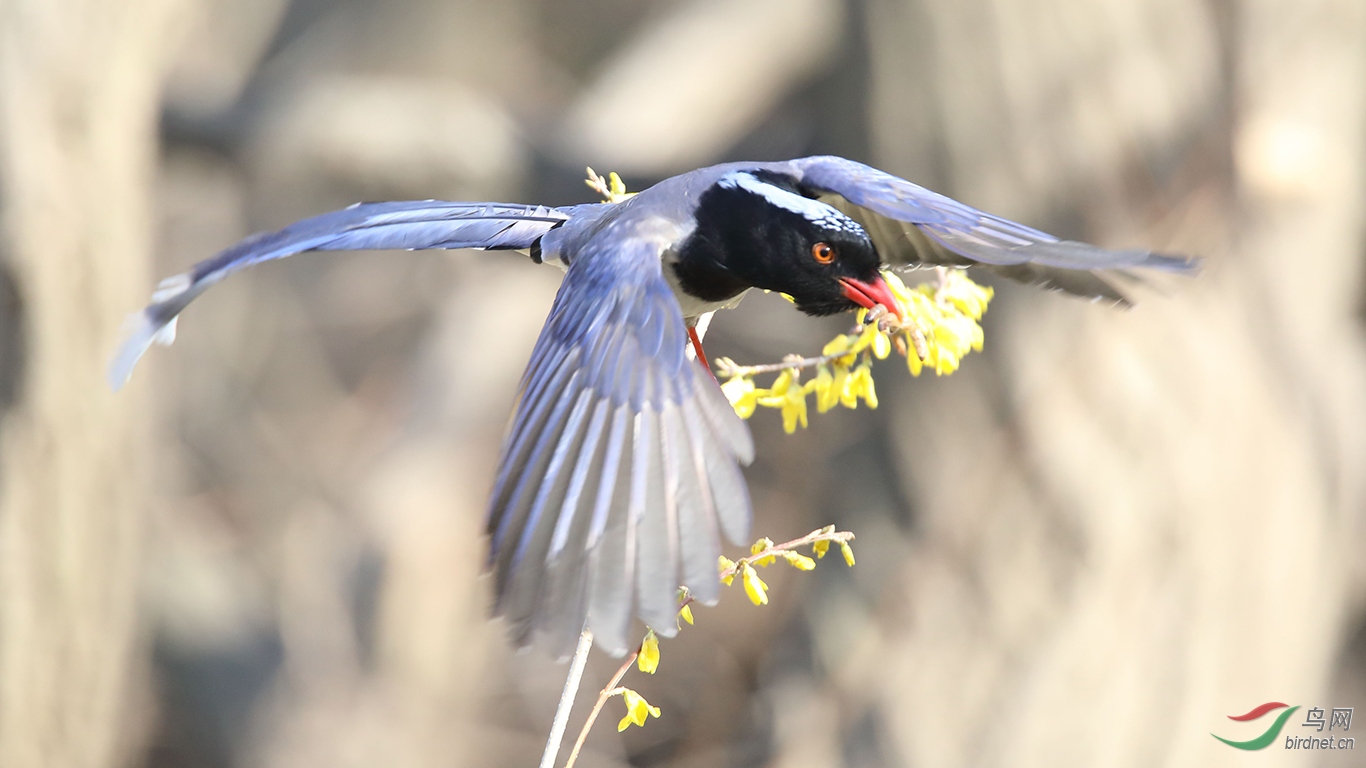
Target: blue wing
x=911 y=225
x=620 y=466
x=411 y=225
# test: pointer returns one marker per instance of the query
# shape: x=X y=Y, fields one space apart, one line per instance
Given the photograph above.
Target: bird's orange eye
x=823 y=253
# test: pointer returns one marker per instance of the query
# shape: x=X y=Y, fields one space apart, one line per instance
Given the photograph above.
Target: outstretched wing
x=911 y=225
x=410 y=225
x=620 y=466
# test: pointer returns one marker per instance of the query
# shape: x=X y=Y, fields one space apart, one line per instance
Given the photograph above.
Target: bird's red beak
x=869 y=295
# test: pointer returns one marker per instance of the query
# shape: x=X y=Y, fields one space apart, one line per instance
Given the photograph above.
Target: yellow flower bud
x=723 y=565
x=648 y=658
x=799 y=561
x=686 y=613
x=848 y=553
x=755 y=586
x=820 y=548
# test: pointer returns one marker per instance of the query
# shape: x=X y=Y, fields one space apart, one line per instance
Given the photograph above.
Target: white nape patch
x=815 y=211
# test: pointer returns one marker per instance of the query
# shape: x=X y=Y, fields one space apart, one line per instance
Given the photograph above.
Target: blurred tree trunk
x=79 y=87
x=1130 y=525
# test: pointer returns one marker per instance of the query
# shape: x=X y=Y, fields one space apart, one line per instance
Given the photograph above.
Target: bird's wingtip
x=1174 y=262
x=139 y=334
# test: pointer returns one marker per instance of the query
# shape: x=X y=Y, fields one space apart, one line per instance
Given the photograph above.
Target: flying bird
x=621 y=469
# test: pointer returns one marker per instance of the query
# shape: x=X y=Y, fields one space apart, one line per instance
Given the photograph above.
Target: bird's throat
x=701 y=272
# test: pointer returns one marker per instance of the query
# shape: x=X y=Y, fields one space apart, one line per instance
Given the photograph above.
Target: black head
x=757 y=229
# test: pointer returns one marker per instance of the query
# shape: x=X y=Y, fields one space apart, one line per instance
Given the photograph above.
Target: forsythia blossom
x=941 y=326
x=648 y=658
x=637 y=708
x=754 y=586
x=848 y=553
x=947 y=315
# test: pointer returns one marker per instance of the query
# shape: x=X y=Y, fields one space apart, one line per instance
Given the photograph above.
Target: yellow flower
x=966 y=296
x=755 y=586
x=827 y=395
x=742 y=395
x=648 y=658
x=913 y=361
x=859 y=384
x=760 y=546
x=865 y=339
x=794 y=412
x=799 y=561
x=864 y=385
x=894 y=282
x=836 y=346
x=794 y=409
x=849 y=392
x=781 y=384
x=724 y=564
x=686 y=613
x=617 y=186
x=637 y=708
x=787 y=394
x=839 y=346
x=848 y=553
x=882 y=346
x=820 y=548
x=870 y=338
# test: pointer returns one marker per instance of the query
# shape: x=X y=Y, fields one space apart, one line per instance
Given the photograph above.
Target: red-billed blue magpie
x=621 y=468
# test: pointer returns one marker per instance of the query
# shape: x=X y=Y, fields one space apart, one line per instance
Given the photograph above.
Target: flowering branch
x=935 y=325
x=611 y=187
x=608 y=691
x=764 y=553
x=885 y=321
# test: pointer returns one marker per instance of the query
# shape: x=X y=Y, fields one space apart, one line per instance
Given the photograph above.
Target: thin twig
x=727 y=367
x=607 y=692
x=820 y=534
x=599 y=184
x=886 y=322
x=941 y=283
x=571 y=691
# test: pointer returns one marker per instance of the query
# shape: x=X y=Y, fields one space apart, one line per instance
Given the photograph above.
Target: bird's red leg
x=697 y=347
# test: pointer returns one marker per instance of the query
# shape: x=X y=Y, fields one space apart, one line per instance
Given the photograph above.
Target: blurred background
x=1100 y=538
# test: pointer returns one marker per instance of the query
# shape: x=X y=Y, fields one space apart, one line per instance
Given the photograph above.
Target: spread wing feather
x=620 y=462
x=410 y=225
x=912 y=226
